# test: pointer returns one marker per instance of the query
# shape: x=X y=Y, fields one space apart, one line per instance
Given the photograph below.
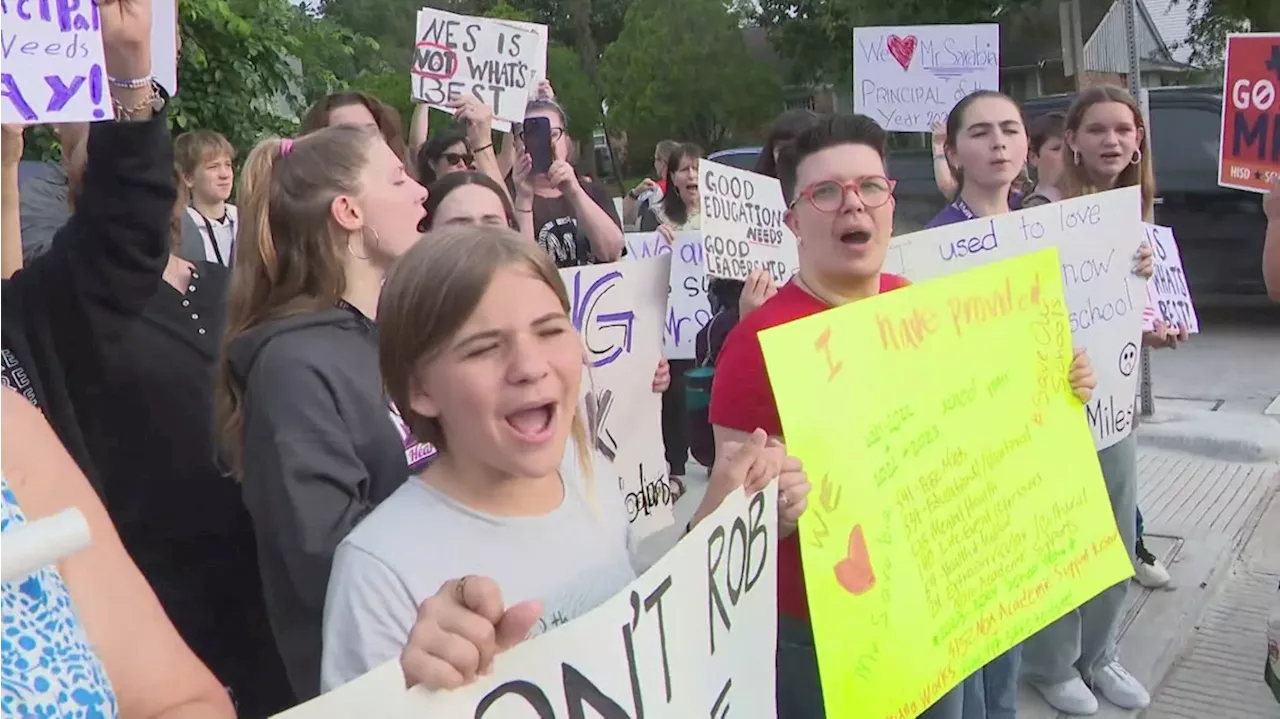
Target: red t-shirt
x=742 y=399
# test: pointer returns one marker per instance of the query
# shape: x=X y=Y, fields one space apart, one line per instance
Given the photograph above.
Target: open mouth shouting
x=534 y=422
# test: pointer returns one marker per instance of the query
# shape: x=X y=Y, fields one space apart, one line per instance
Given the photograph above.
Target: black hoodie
x=320 y=452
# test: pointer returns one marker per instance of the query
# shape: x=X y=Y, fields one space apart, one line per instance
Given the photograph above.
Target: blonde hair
x=1075 y=179
x=193 y=149
x=431 y=292
x=290 y=256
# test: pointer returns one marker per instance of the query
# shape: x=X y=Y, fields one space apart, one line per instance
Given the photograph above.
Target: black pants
x=212 y=592
x=674 y=427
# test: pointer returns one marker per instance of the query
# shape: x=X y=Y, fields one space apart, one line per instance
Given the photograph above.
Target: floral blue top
x=47 y=668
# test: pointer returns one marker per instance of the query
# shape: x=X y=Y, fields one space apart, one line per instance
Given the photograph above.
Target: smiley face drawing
x=855 y=572
x=1128 y=359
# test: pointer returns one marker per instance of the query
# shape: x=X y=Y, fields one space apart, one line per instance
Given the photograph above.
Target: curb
x=1225 y=436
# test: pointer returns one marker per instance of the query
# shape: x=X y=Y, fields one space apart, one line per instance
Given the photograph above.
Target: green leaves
x=681 y=69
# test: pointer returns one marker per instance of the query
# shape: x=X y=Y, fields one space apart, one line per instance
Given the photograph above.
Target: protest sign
x=53 y=64
x=694 y=636
x=164 y=44
x=1097 y=237
x=497 y=61
x=953 y=514
x=742 y=225
x=618 y=310
x=688 y=307
x=1168 y=295
x=1249 y=145
x=910 y=77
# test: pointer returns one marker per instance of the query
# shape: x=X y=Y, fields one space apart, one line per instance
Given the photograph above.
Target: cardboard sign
x=688 y=306
x=618 y=309
x=1097 y=237
x=53 y=64
x=497 y=61
x=910 y=77
x=742 y=224
x=1249 y=154
x=953 y=513
x=693 y=636
x=1168 y=294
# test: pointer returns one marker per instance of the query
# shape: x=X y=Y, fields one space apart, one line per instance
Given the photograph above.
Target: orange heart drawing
x=855 y=572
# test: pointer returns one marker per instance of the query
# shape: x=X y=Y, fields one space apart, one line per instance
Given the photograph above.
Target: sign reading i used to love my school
x=53 y=63
x=910 y=77
x=694 y=636
x=688 y=306
x=742 y=224
x=1097 y=237
x=498 y=61
x=953 y=513
x=1249 y=148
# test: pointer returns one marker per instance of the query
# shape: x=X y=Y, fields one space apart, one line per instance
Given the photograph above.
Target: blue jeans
x=799 y=693
x=992 y=691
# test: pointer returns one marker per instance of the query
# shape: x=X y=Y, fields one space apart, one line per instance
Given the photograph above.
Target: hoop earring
x=1137 y=157
x=1075 y=156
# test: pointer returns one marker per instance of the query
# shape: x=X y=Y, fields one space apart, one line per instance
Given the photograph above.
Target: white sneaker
x=1148 y=570
x=1070 y=697
x=1120 y=687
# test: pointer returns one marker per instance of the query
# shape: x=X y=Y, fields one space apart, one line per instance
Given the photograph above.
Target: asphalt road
x=1233 y=365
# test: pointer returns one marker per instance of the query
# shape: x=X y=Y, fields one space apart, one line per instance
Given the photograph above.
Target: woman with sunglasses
x=443 y=154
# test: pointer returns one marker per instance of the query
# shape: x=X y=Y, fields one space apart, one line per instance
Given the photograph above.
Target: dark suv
x=1219 y=230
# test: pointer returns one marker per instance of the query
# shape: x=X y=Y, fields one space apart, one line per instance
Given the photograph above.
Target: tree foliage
x=1212 y=20
x=681 y=68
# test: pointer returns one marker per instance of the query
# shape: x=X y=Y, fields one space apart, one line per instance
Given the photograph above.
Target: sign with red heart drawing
x=909 y=77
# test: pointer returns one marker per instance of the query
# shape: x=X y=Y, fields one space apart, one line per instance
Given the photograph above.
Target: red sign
x=1249 y=158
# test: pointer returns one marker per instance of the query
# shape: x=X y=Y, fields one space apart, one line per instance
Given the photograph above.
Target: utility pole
x=1146 y=397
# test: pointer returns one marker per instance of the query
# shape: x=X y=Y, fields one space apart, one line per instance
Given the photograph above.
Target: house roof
x=1172 y=19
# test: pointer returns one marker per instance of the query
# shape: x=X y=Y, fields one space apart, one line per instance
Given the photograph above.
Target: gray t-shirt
x=572 y=559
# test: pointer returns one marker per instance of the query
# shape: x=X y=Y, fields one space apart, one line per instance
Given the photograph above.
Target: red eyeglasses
x=829 y=195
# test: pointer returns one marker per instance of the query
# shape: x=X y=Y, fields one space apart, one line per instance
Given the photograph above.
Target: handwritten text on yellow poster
x=958 y=506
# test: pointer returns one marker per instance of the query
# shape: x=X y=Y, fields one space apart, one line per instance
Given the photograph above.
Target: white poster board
x=497 y=61
x=1097 y=237
x=1168 y=294
x=909 y=77
x=618 y=309
x=742 y=224
x=164 y=44
x=688 y=306
x=694 y=636
x=53 y=64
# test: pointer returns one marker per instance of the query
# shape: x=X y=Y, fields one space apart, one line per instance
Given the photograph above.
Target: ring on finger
x=783 y=499
x=461 y=589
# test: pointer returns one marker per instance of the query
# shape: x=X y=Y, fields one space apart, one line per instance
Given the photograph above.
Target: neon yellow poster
x=958 y=506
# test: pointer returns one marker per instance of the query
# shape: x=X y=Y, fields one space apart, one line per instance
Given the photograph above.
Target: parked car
x=1219 y=230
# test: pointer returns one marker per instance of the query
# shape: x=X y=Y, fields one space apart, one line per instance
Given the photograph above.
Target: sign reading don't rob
x=742 y=224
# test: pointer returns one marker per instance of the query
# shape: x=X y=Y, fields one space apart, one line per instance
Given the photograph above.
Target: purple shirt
x=959 y=211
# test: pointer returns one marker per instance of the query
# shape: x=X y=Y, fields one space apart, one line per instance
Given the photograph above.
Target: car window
x=740 y=160
x=1184 y=139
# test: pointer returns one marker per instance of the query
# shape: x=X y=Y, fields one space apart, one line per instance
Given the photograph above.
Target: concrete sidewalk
x=1198 y=646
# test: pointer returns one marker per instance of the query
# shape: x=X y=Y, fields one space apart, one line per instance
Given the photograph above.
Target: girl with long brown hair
x=1106 y=147
x=303 y=419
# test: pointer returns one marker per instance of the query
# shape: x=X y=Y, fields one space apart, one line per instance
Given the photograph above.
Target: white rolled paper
x=42 y=542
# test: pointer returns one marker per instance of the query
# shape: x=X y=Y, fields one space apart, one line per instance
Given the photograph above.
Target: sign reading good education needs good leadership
x=908 y=78
x=1247 y=155
x=617 y=308
x=694 y=636
x=953 y=514
x=688 y=307
x=1097 y=236
x=1168 y=295
x=497 y=61
x=53 y=64
x=742 y=224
